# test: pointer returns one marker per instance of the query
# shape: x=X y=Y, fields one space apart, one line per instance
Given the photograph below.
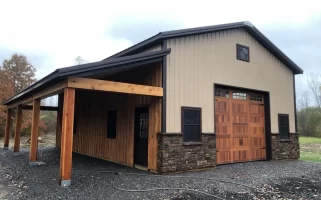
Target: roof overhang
x=87 y=70
x=193 y=31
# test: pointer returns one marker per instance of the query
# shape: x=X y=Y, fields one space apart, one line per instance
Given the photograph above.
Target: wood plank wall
x=91 y=120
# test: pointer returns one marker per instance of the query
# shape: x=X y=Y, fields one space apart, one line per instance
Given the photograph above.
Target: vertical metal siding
x=197 y=62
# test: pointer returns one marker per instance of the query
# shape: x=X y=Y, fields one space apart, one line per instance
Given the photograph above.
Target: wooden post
x=59 y=119
x=16 y=146
x=34 y=132
x=67 y=136
x=7 y=131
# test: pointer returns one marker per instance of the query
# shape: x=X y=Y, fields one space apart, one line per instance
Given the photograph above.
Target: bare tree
x=79 y=60
x=303 y=113
x=314 y=83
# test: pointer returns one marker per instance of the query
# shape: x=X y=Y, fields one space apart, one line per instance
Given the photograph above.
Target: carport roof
x=250 y=28
x=89 y=69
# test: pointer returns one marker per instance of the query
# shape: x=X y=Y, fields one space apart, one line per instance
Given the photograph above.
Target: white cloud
x=63 y=30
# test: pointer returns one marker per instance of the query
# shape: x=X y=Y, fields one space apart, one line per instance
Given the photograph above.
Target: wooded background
x=16 y=73
x=309 y=108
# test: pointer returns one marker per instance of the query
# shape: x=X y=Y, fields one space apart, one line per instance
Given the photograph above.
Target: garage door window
x=284 y=126
x=191 y=124
x=221 y=93
x=239 y=95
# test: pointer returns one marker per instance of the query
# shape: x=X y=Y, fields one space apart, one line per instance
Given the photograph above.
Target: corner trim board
x=295 y=113
x=164 y=79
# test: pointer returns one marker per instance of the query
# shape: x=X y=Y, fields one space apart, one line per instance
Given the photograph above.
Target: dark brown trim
x=237 y=52
x=267 y=113
x=182 y=121
x=164 y=79
x=48 y=108
x=209 y=134
x=238 y=88
x=173 y=134
x=267 y=117
x=176 y=133
x=293 y=133
x=295 y=111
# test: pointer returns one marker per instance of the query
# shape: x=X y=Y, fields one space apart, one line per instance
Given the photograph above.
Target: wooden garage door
x=240 y=131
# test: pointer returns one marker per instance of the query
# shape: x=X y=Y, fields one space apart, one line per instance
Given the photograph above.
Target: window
x=239 y=95
x=111 y=124
x=191 y=124
x=284 y=126
x=256 y=98
x=221 y=93
x=242 y=52
x=75 y=125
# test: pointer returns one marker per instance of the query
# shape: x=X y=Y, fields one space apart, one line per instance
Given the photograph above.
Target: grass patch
x=310 y=156
x=309 y=140
x=310 y=149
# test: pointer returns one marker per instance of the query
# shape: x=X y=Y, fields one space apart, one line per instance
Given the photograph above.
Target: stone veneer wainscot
x=174 y=155
x=285 y=149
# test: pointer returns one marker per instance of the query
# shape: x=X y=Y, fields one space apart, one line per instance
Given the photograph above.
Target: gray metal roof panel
x=62 y=73
x=191 y=31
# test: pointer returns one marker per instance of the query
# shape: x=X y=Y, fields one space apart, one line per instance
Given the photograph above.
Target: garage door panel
x=239 y=107
x=240 y=127
x=222 y=105
x=240 y=142
x=223 y=157
x=258 y=141
x=258 y=154
x=239 y=118
x=240 y=155
x=223 y=142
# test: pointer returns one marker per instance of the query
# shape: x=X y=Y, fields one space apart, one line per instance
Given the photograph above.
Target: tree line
x=16 y=73
x=309 y=108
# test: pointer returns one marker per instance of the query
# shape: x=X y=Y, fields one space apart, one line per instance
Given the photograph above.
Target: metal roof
x=193 y=31
x=89 y=69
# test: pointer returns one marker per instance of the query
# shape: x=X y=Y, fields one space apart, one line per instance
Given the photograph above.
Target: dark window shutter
x=284 y=128
x=111 y=124
x=191 y=124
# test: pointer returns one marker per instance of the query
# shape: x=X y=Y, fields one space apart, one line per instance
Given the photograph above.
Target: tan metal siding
x=197 y=62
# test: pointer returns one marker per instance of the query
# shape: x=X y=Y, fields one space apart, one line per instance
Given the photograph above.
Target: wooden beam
x=67 y=136
x=47 y=108
x=44 y=93
x=111 y=86
x=7 y=130
x=16 y=146
x=34 y=130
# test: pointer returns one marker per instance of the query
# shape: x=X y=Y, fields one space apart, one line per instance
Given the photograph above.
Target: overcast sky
x=53 y=34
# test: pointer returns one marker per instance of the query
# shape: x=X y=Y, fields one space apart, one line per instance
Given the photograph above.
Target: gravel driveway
x=91 y=180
